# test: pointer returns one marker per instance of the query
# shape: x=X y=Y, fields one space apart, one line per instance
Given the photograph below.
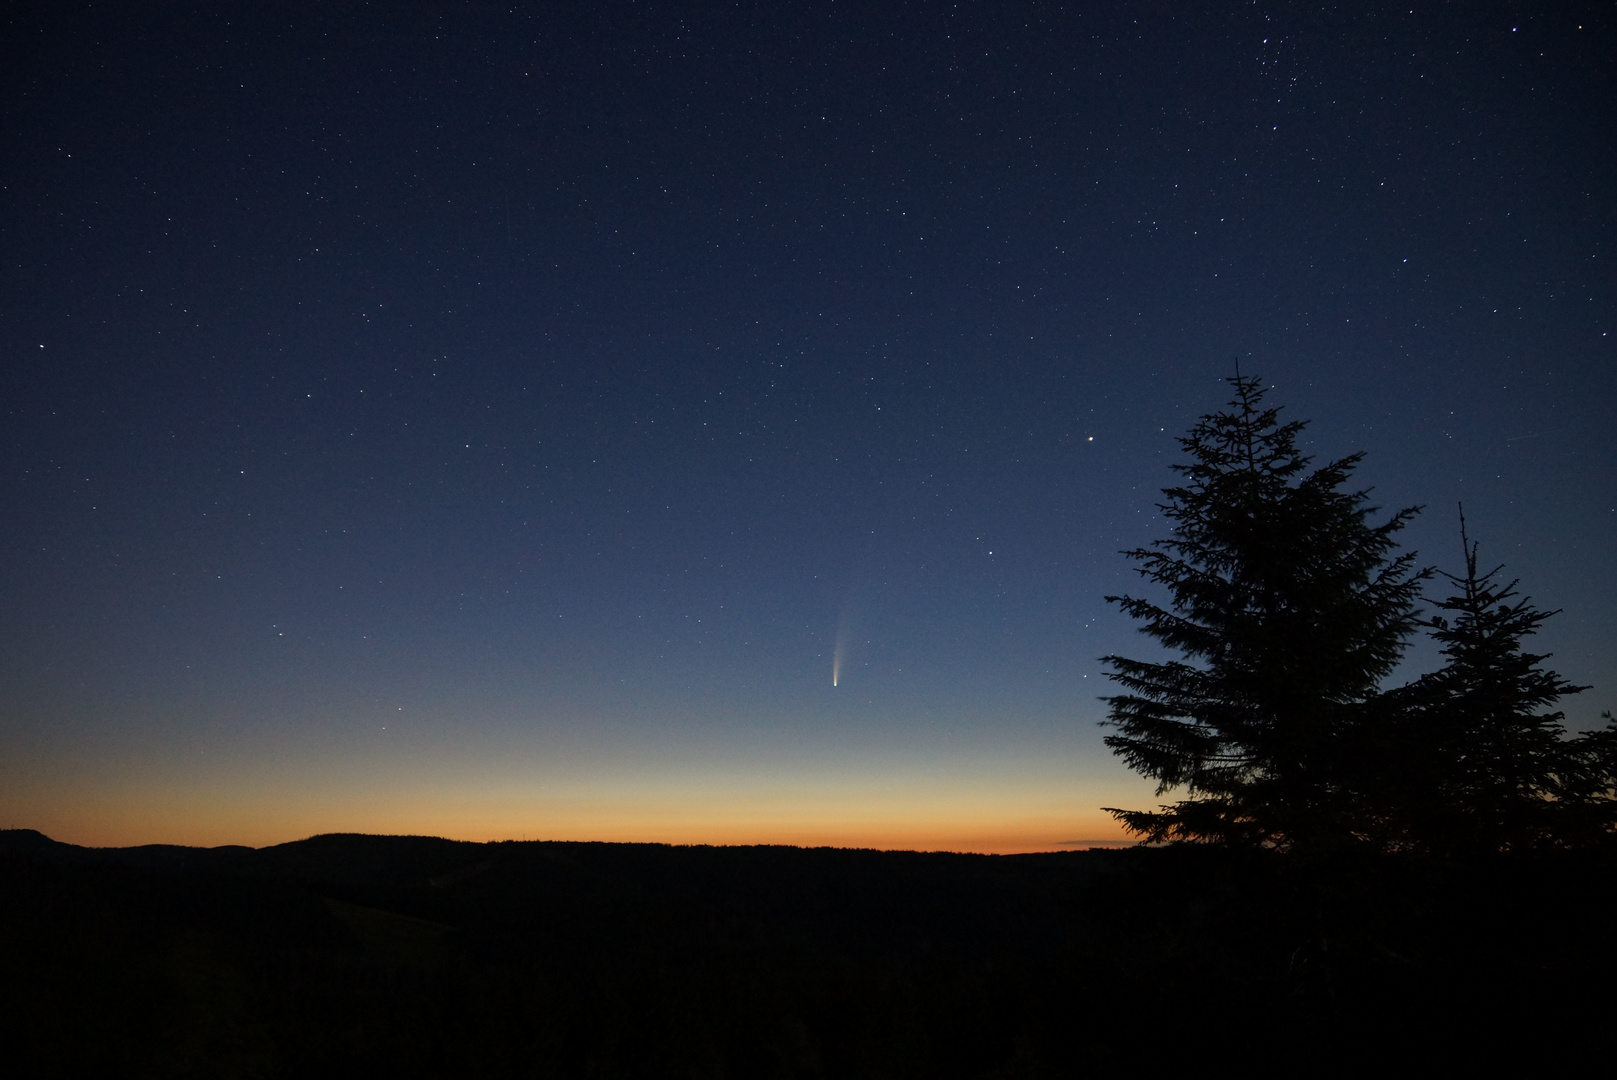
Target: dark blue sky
x=484 y=422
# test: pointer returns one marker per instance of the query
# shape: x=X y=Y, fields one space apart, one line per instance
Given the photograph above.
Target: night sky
x=504 y=423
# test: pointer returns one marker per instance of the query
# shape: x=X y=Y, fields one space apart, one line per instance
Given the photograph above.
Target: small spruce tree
x=1591 y=814
x=1485 y=767
x=1288 y=606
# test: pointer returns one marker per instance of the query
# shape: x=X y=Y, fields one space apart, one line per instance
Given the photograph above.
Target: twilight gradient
x=495 y=424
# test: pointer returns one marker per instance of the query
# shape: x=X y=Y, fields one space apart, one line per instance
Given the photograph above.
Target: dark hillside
x=414 y=956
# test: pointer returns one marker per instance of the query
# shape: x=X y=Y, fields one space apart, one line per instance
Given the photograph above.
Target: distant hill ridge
x=383 y=860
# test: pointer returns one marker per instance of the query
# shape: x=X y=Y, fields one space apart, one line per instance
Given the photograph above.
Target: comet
x=839 y=655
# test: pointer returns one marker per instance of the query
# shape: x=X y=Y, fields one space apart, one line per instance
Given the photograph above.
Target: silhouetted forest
x=408 y=956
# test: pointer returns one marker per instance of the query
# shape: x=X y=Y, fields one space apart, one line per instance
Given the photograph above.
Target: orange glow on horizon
x=998 y=839
x=195 y=823
x=1005 y=806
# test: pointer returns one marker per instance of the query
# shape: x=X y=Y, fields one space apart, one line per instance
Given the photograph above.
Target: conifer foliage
x=1485 y=768
x=1289 y=605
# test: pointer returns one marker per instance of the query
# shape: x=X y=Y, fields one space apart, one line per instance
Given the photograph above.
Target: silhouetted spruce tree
x=1288 y=607
x=1591 y=814
x=1485 y=767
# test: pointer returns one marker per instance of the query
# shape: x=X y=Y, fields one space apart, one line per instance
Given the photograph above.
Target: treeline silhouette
x=408 y=956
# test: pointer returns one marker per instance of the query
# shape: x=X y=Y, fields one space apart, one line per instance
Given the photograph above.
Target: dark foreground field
x=405 y=956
